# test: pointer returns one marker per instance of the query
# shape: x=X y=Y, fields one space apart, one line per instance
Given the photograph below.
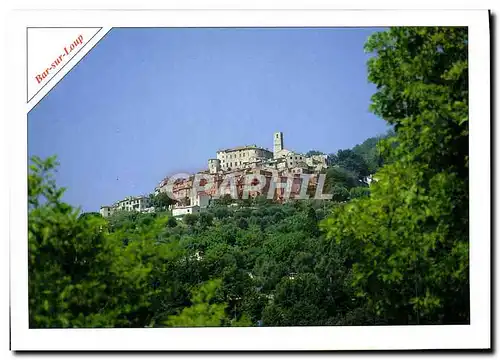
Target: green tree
x=171 y=222
x=204 y=312
x=190 y=219
x=243 y=223
x=339 y=181
x=351 y=161
x=370 y=151
x=220 y=212
x=79 y=274
x=89 y=214
x=161 y=200
x=410 y=237
x=298 y=301
x=311 y=223
x=205 y=219
x=262 y=200
x=340 y=193
x=314 y=152
x=360 y=191
x=225 y=199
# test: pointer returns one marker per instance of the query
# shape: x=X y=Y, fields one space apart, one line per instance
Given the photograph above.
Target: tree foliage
x=314 y=152
x=410 y=237
x=371 y=152
x=350 y=161
x=161 y=200
x=203 y=312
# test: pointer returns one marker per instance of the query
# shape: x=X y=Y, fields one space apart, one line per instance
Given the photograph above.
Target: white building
x=196 y=205
x=132 y=203
x=106 y=211
x=180 y=211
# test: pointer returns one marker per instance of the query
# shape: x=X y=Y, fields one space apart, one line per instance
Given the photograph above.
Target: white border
x=476 y=335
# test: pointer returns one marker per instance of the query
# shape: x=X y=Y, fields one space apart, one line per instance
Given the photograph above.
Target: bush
x=190 y=219
x=171 y=222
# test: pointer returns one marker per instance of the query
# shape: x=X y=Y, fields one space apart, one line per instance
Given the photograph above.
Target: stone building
x=239 y=158
x=317 y=162
x=214 y=166
x=278 y=143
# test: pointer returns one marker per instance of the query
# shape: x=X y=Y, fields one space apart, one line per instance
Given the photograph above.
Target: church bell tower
x=278 y=143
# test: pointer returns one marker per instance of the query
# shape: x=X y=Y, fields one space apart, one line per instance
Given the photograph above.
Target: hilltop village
x=237 y=162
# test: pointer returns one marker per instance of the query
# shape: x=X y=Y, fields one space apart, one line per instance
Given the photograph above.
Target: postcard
x=250 y=180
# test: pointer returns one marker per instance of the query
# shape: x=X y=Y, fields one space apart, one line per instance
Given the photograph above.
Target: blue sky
x=145 y=103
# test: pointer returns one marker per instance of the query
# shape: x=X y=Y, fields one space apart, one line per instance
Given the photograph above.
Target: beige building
x=294 y=160
x=239 y=158
x=317 y=162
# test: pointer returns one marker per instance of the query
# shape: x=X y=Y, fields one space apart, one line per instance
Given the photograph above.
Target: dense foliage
x=410 y=237
x=391 y=252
